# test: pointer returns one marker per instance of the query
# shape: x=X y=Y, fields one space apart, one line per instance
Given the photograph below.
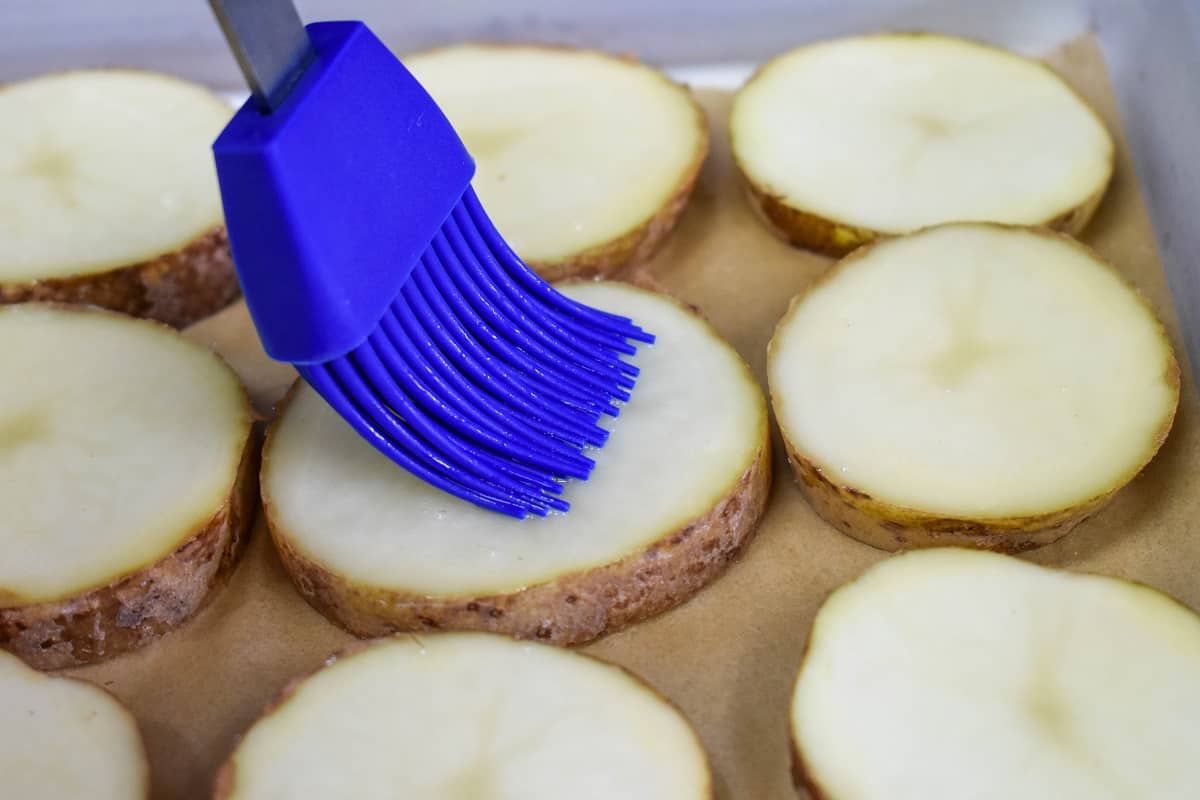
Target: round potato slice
x=468 y=715
x=676 y=494
x=952 y=673
x=841 y=141
x=63 y=739
x=108 y=195
x=126 y=477
x=970 y=384
x=584 y=161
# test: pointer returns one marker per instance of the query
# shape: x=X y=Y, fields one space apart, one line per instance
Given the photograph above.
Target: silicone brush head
x=480 y=378
x=368 y=262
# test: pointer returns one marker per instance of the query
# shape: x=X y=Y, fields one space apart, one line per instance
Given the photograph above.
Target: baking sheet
x=727 y=657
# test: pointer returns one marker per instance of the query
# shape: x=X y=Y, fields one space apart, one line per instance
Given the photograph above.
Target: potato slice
x=952 y=674
x=126 y=477
x=108 y=195
x=970 y=384
x=584 y=161
x=468 y=715
x=842 y=141
x=65 y=739
x=676 y=494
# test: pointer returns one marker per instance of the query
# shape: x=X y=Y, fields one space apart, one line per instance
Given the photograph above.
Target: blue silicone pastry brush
x=368 y=262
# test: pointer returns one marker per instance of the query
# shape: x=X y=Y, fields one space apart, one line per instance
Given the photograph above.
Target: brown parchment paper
x=727 y=657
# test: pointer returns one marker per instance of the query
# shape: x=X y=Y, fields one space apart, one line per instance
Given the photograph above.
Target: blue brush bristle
x=481 y=378
x=367 y=261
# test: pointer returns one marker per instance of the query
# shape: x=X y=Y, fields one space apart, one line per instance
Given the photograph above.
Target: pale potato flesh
x=899 y=132
x=102 y=169
x=952 y=674
x=694 y=426
x=974 y=371
x=118 y=439
x=467 y=716
x=65 y=739
x=573 y=149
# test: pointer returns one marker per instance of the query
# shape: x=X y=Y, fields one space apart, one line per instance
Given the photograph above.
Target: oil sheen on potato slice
x=583 y=160
x=108 y=195
x=952 y=673
x=126 y=479
x=841 y=141
x=64 y=739
x=457 y=716
x=676 y=493
x=970 y=384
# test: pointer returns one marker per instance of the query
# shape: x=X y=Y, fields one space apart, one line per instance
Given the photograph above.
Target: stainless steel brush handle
x=269 y=42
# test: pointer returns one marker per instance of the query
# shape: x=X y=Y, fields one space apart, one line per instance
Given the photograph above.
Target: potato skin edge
x=137 y=609
x=178 y=288
x=640 y=243
x=887 y=526
x=808 y=230
x=569 y=610
x=802 y=778
x=637 y=246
